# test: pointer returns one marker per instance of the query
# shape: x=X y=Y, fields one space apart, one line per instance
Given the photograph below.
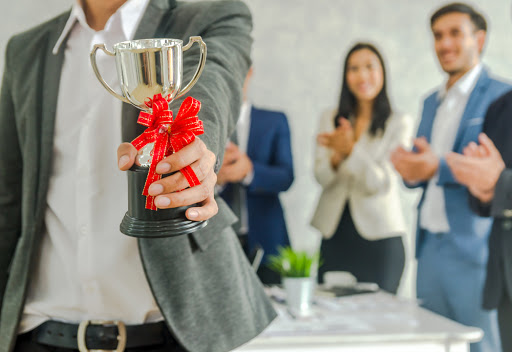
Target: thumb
x=421 y=144
x=488 y=146
x=345 y=124
x=126 y=154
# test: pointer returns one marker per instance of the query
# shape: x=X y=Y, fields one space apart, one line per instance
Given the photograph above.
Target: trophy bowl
x=146 y=68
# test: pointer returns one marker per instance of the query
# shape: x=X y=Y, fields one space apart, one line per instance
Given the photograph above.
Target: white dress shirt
x=243 y=127
x=87 y=269
x=444 y=130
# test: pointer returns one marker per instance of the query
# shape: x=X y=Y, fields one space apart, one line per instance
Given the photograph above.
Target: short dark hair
x=476 y=17
x=347 y=106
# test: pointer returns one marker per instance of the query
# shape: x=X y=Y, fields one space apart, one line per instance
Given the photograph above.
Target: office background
x=298 y=52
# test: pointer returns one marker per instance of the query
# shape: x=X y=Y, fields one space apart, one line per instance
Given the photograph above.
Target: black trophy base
x=141 y=222
x=160 y=228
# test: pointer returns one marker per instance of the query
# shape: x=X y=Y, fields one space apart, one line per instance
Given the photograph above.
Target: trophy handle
x=200 y=67
x=97 y=72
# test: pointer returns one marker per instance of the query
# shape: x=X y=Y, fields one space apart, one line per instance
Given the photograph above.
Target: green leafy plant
x=290 y=263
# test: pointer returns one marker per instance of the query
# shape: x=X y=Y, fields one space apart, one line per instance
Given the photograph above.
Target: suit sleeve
x=501 y=205
x=278 y=175
x=497 y=126
x=225 y=27
x=10 y=177
x=479 y=208
x=373 y=171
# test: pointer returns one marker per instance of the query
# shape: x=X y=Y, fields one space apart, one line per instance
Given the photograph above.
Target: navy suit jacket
x=270 y=152
x=498 y=126
x=468 y=231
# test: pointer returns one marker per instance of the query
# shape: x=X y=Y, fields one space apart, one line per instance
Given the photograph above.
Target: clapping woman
x=359 y=212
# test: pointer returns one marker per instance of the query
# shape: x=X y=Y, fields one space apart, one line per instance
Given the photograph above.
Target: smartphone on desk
x=340 y=291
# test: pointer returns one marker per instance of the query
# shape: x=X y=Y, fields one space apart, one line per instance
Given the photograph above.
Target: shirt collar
x=131 y=13
x=465 y=84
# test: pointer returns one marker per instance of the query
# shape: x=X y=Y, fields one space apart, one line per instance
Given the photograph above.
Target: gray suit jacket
x=210 y=297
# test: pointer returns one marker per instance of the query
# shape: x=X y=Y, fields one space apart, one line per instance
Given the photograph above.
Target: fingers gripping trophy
x=150 y=76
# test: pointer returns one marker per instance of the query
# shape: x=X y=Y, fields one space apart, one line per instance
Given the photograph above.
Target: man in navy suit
x=486 y=170
x=451 y=242
x=255 y=170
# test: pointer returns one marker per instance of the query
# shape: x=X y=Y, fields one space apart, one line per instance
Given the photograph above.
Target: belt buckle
x=121 y=335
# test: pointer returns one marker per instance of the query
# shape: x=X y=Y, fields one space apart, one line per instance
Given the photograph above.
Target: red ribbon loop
x=169 y=137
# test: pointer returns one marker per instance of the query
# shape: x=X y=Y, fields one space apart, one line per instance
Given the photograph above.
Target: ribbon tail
x=158 y=154
x=190 y=175
x=150 y=203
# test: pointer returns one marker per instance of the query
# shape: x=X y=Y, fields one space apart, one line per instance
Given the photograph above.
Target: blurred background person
x=257 y=166
x=359 y=211
x=451 y=243
x=486 y=170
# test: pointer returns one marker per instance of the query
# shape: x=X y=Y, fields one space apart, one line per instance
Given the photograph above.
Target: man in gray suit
x=63 y=263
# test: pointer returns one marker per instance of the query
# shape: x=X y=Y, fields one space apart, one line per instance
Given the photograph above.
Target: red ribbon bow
x=169 y=137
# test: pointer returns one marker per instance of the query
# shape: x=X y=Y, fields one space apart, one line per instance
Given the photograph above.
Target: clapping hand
x=235 y=166
x=340 y=141
x=416 y=166
x=478 y=168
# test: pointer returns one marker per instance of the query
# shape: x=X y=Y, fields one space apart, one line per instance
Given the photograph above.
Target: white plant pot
x=299 y=293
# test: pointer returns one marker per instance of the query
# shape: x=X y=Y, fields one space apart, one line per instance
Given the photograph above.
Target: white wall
x=19 y=15
x=298 y=51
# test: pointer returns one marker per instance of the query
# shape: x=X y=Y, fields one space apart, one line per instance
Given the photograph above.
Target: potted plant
x=298 y=272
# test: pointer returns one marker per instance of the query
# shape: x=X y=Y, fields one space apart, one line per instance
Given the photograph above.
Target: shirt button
x=506 y=225
x=83 y=230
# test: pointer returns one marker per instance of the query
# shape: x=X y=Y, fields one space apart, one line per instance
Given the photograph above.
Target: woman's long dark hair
x=348 y=103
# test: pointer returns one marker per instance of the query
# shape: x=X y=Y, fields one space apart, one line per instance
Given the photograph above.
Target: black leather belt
x=98 y=335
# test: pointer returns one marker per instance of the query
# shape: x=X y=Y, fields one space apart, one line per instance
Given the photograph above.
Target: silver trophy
x=145 y=68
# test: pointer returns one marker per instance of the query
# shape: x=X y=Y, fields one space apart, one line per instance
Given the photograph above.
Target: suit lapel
x=475 y=98
x=150 y=27
x=49 y=93
x=152 y=18
x=429 y=114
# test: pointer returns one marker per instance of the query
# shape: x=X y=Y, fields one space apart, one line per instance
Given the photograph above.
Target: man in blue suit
x=255 y=170
x=451 y=243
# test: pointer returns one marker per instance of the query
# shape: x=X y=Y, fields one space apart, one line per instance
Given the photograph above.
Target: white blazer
x=366 y=179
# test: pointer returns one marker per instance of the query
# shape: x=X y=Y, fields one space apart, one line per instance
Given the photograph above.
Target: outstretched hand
x=200 y=159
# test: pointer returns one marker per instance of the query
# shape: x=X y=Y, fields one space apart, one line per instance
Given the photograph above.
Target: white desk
x=376 y=322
